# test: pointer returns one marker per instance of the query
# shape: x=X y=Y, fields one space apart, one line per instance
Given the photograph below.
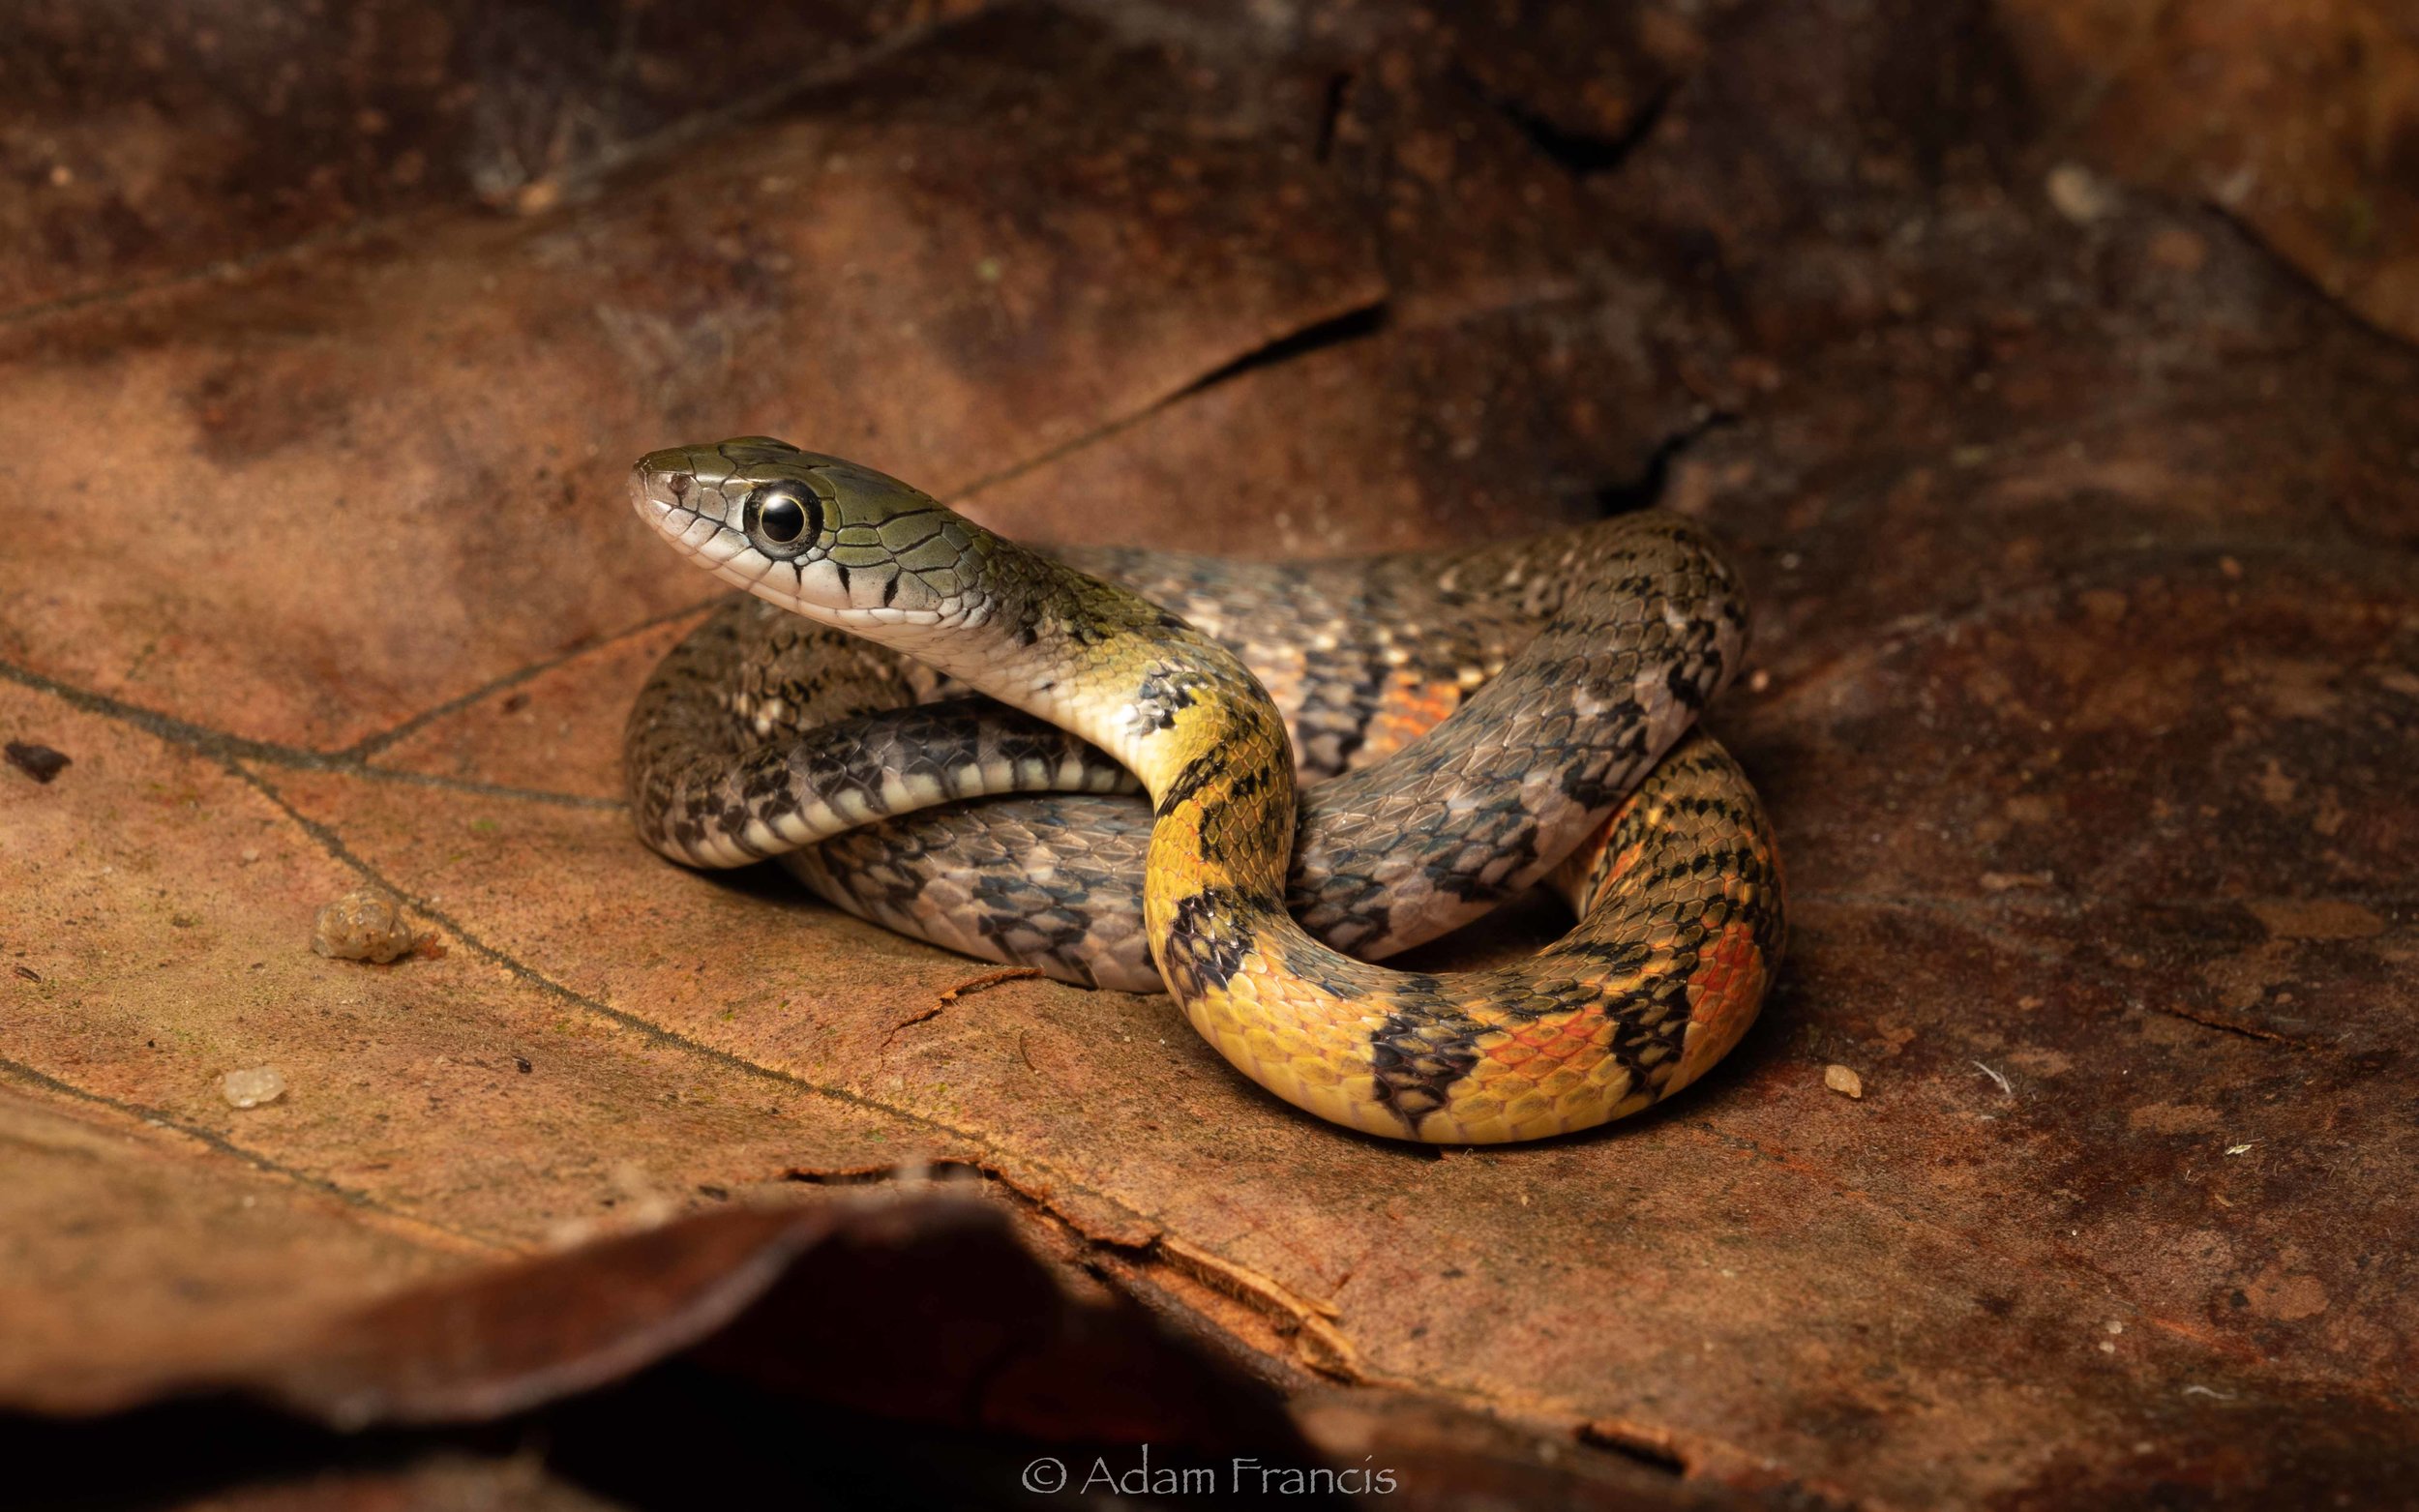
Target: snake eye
x=782 y=519
x=784 y=514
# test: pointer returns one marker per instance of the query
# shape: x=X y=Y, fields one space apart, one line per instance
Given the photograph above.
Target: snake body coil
x=1567 y=666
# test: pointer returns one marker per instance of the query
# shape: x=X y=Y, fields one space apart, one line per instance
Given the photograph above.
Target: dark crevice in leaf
x=1639 y=1448
x=1646 y=489
x=1339 y=94
x=1579 y=154
x=2230 y=1027
x=937 y=1171
x=1361 y=320
x=1352 y=325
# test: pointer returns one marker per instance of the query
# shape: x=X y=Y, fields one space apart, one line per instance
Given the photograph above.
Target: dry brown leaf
x=320 y=579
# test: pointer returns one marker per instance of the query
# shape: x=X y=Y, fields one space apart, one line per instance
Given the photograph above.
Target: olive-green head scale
x=828 y=538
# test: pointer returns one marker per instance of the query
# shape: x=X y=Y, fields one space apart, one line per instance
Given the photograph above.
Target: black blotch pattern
x=1230 y=830
x=1029 y=919
x=1603 y=780
x=1619 y=957
x=1198 y=772
x=1685 y=690
x=1207 y=941
x=1347 y=691
x=1165 y=691
x=1417 y=1054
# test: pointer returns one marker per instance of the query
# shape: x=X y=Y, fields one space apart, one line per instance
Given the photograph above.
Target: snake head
x=823 y=537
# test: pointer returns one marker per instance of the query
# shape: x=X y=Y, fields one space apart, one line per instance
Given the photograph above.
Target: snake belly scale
x=828 y=719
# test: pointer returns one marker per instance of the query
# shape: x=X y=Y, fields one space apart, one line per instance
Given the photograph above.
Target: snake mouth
x=700 y=522
x=654 y=496
x=667 y=496
x=695 y=517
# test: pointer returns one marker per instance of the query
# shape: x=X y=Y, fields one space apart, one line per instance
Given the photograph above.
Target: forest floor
x=2077 y=483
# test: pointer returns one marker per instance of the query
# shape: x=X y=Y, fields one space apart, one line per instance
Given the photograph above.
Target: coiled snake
x=828 y=719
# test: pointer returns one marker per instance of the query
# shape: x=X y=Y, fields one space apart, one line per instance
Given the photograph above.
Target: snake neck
x=1177 y=709
x=1101 y=662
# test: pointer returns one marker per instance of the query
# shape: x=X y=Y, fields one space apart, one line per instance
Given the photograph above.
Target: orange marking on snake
x=1623 y=862
x=1410 y=709
x=1724 y=993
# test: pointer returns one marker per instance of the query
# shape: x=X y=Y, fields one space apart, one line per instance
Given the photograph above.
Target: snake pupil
x=781 y=515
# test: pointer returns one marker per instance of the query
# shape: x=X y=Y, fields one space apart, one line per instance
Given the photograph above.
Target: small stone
x=539 y=198
x=37 y=761
x=1842 y=1080
x=252 y=1086
x=2079 y=194
x=364 y=925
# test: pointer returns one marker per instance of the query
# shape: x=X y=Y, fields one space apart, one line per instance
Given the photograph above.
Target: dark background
x=2045 y=361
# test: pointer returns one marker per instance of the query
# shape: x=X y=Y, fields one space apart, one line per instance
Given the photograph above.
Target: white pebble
x=251 y=1087
x=365 y=925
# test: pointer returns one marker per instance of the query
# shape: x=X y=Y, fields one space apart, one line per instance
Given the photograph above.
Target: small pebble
x=539 y=198
x=1842 y=1080
x=39 y=762
x=252 y=1086
x=365 y=925
x=2078 y=194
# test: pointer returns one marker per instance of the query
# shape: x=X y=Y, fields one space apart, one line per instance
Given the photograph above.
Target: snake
x=1245 y=782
